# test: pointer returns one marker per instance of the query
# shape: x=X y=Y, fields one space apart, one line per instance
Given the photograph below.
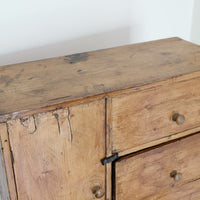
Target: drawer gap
x=113 y=181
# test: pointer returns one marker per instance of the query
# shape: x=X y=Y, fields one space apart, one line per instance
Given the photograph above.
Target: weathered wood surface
x=44 y=83
x=57 y=154
x=8 y=161
x=145 y=116
x=159 y=141
x=146 y=175
x=4 y=194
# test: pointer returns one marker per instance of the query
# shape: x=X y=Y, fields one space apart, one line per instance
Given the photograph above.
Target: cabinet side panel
x=57 y=154
x=7 y=179
x=4 y=194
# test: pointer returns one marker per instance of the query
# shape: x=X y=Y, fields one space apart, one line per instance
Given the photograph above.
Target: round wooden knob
x=177 y=176
x=178 y=118
x=98 y=191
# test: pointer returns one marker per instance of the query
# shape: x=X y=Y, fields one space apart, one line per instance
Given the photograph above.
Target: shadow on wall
x=104 y=40
x=195 y=30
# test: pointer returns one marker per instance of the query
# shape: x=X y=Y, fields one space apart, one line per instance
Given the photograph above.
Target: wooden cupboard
x=114 y=124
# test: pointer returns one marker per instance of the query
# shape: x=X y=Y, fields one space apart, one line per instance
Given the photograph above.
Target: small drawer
x=169 y=172
x=154 y=113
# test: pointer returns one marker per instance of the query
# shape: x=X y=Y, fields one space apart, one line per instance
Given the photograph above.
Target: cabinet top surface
x=43 y=83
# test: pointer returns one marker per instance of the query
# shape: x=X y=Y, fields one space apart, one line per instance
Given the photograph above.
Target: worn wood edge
x=24 y=113
x=108 y=126
x=87 y=99
x=159 y=141
x=5 y=142
x=100 y=50
x=108 y=181
x=175 y=79
x=4 y=193
x=108 y=132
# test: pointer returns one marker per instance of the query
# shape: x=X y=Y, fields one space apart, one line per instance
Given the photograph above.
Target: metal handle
x=176 y=175
x=178 y=118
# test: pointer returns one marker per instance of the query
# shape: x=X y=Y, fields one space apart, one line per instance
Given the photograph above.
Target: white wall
x=195 y=31
x=31 y=30
x=155 y=19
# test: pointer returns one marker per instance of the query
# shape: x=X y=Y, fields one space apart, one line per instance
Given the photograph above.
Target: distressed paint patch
x=75 y=58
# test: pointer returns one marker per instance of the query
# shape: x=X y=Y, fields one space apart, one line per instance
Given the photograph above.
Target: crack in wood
x=192 y=180
x=22 y=120
x=25 y=122
x=35 y=125
x=58 y=121
x=12 y=157
x=70 y=127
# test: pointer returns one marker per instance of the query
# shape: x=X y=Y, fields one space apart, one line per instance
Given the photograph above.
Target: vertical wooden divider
x=108 y=148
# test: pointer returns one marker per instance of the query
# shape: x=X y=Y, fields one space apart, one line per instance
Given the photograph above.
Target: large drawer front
x=146 y=115
x=165 y=173
x=57 y=154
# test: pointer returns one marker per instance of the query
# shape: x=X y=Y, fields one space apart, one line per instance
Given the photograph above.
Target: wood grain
x=142 y=117
x=57 y=154
x=8 y=161
x=4 y=194
x=146 y=175
x=189 y=191
x=159 y=141
x=41 y=84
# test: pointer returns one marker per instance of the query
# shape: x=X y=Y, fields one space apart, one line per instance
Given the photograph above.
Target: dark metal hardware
x=109 y=159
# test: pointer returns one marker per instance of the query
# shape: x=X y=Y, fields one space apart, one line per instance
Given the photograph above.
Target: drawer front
x=146 y=115
x=57 y=154
x=165 y=173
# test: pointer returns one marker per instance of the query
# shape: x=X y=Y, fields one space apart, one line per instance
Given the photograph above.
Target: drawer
x=164 y=173
x=57 y=154
x=145 y=115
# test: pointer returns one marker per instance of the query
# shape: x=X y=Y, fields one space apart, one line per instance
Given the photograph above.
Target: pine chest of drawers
x=115 y=124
